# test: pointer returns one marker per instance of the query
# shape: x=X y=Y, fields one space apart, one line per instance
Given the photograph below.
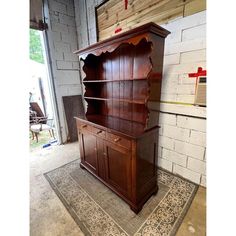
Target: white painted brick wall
x=186 y=22
x=64 y=65
x=62 y=47
x=196 y=165
x=172 y=59
x=191 y=45
x=70 y=57
x=194 y=32
x=57 y=55
x=174 y=157
x=198 y=138
x=176 y=132
x=185 y=79
x=174 y=37
x=168 y=97
x=183 y=146
x=62 y=38
x=203 y=180
x=182 y=137
x=185 y=51
x=186 y=89
x=56 y=36
x=67 y=77
x=58 y=27
x=185 y=97
x=165 y=164
x=186 y=173
x=191 y=123
x=183 y=68
x=57 y=6
x=168 y=119
x=67 y=20
x=68 y=37
x=180 y=109
x=166 y=142
x=189 y=149
x=193 y=56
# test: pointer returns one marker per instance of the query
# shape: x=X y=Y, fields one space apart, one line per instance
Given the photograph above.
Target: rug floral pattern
x=93 y=220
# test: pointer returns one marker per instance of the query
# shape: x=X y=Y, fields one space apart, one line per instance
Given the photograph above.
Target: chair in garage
x=39 y=122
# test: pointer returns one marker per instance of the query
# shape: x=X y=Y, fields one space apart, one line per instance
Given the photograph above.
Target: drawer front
x=84 y=127
x=126 y=143
x=98 y=132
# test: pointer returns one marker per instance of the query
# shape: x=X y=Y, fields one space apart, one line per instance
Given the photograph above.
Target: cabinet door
x=88 y=152
x=118 y=168
x=101 y=158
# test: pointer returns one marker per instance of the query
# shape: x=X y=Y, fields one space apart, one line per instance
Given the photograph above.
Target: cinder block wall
x=62 y=38
x=185 y=51
x=182 y=138
x=182 y=144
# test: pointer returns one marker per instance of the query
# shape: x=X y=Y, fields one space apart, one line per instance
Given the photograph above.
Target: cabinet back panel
x=126 y=67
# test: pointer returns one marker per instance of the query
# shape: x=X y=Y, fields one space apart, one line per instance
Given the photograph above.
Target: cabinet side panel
x=156 y=77
x=146 y=169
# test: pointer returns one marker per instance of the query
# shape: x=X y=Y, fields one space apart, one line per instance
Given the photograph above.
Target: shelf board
x=117 y=99
x=110 y=80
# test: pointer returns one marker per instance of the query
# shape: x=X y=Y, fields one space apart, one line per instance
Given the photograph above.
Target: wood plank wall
x=112 y=14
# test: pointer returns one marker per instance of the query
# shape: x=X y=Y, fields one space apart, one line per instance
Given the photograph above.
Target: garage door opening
x=42 y=107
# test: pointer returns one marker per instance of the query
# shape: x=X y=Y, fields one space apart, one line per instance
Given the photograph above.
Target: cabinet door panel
x=101 y=159
x=118 y=168
x=89 y=150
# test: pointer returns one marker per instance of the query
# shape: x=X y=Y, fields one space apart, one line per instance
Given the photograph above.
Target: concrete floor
x=48 y=216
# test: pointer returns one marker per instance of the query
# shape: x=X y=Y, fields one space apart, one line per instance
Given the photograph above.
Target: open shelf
x=110 y=80
x=117 y=99
x=118 y=83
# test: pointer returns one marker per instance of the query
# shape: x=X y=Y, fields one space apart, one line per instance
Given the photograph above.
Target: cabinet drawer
x=98 y=132
x=82 y=127
x=119 y=140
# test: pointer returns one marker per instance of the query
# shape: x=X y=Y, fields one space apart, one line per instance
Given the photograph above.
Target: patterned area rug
x=98 y=211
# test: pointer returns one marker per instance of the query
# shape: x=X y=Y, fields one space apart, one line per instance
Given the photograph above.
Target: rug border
x=85 y=230
x=66 y=205
x=185 y=211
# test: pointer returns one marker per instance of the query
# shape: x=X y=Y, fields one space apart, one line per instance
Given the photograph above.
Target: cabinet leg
x=155 y=191
x=136 y=210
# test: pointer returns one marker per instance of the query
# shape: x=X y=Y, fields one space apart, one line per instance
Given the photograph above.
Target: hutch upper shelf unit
x=119 y=133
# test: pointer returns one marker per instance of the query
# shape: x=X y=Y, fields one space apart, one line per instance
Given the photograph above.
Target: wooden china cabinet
x=118 y=135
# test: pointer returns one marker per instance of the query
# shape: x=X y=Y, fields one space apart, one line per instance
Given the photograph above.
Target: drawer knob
x=83 y=126
x=100 y=131
x=117 y=139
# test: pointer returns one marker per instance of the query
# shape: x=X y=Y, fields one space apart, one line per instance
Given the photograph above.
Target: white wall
x=85 y=21
x=185 y=50
x=182 y=139
x=62 y=38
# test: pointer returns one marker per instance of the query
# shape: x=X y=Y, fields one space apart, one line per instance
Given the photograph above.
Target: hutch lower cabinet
x=126 y=165
x=118 y=135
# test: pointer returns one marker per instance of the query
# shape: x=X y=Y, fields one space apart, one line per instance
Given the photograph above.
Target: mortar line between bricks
x=178 y=114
